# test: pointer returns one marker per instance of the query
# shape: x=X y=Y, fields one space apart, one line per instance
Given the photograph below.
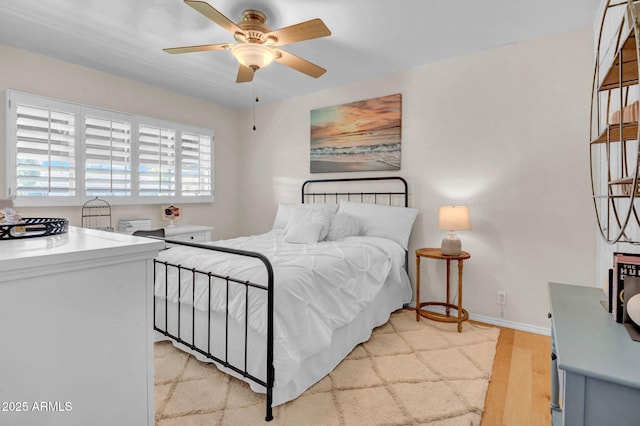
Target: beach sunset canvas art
x=358 y=136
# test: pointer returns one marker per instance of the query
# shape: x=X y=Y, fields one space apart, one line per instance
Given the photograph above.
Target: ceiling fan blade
x=307 y=30
x=207 y=10
x=299 y=64
x=245 y=74
x=199 y=48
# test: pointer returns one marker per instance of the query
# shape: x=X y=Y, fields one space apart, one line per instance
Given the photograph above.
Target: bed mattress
x=328 y=297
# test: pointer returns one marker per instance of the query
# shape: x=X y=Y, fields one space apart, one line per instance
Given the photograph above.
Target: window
x=45 y=151
x=107 y=150
x=196 y=157
x=157 y=166
x=62 y=153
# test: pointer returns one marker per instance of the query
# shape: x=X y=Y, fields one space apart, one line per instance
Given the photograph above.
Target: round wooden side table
x=463 y=315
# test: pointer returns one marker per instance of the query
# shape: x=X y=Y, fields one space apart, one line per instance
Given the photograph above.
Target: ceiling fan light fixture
x=258 y=45
x=252 y=55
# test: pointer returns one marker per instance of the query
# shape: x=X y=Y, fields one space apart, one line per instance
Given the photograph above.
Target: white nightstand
x=189 y=233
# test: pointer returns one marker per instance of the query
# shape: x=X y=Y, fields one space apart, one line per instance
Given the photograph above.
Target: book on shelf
x=624 y=265
x=609 y=290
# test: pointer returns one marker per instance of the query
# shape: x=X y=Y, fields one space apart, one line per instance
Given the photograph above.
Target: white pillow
x=284 y=210
x=378 y=220
x=299 y=214
x=343 y=225
x=303 y=232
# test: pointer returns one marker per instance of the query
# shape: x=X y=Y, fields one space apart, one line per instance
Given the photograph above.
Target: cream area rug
x=408 y=372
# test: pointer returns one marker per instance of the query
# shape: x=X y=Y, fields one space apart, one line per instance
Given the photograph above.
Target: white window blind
x=196 y=166
x=45 y=152
x=61 y=153
x=157 y=161
x=107 y=157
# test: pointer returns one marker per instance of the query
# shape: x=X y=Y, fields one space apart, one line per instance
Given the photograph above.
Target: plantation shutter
x=107 y=157
x=196 y=164
x=157 y=165
x=45 y=152
x=61 y=153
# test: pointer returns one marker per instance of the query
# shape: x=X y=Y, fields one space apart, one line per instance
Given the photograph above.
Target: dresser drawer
x=191 y=233
x=196 y=236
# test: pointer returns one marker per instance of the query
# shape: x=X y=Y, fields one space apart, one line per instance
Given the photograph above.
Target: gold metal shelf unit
x=614 y=141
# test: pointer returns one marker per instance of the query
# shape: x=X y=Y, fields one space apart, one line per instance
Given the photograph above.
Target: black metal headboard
x=358 y=195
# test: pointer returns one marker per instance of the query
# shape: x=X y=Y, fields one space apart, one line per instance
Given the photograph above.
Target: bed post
x=270 y=334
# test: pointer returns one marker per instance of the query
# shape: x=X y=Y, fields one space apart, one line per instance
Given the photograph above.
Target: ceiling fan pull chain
x=254 y=105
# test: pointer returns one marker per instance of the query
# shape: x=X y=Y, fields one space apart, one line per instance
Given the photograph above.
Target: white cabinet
x=189 y=233
x=76 y=312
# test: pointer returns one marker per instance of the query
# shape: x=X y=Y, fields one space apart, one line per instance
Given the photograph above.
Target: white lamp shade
x=454 y=218
x=253 y=55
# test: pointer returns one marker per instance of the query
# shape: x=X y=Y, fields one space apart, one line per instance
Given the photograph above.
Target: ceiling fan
x=258 y=45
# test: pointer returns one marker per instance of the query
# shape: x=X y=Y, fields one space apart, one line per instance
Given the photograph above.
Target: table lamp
x=453 y=218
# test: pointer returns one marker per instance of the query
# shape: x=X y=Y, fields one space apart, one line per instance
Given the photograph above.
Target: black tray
x=32 y=227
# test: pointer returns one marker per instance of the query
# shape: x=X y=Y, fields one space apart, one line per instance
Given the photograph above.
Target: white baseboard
x=545 y=331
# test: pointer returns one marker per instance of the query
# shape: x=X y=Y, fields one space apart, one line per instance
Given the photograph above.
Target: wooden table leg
x=460 y=262
x=448 y=287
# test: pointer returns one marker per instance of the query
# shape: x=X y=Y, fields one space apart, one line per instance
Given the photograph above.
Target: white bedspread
x=318 y=287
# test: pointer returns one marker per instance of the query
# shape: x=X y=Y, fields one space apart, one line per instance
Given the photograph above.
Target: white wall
x=28 y=72
x=504 y=131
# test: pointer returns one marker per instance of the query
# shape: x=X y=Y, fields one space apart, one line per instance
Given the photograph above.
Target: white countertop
x=78 y=244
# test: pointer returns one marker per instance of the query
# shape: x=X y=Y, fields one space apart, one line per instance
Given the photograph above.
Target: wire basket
x=96 y=214
x=32 y=227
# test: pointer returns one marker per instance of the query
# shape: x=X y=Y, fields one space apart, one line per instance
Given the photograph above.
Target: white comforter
x=318 y=287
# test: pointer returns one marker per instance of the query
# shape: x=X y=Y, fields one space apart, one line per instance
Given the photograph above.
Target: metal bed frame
x=162 y=327
x=337 y=196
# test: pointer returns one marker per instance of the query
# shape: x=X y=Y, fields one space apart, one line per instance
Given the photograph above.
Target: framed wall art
x=358 y=136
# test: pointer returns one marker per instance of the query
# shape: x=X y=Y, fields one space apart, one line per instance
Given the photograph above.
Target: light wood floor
x=519 y=391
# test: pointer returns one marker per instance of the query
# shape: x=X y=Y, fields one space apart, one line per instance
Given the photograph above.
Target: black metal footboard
x=229 y=281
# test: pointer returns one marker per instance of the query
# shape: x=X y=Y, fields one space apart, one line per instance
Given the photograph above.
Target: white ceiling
x=369 y=38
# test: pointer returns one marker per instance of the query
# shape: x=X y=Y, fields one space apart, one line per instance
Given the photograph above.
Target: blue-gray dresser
x=597 y=380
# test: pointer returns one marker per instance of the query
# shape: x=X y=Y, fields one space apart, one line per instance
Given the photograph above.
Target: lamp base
x=451 y=245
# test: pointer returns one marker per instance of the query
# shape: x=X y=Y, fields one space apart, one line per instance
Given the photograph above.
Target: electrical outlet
x=501 y=298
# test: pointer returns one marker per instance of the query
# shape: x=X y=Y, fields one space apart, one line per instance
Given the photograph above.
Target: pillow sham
x=310 y=215
x=343 y=225
x=303 y=232
x=378 y=220
x=284 y=210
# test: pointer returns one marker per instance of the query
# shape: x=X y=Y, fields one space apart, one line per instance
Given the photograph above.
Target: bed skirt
x=290 y=380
